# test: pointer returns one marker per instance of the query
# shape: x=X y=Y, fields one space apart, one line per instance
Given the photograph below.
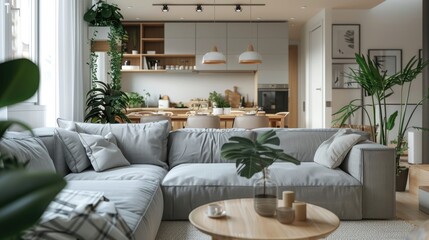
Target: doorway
x=315 y=84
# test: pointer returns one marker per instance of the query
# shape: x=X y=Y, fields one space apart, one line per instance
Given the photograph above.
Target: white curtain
x=72 y=71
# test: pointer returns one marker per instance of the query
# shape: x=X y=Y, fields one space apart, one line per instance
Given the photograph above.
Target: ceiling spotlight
x=165 y=8
x=238 y=8
x=199 y=8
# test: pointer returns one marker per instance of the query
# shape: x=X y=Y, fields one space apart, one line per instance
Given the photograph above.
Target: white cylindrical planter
x=227 y=110
x=415 y=147
x=217 y=111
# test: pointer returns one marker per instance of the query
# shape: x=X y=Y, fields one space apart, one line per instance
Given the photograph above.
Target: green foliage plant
x=252 y=157
x=25 y=195
x=105 y=104
x=135 y=100
x=217 y=100
x=105 y=14
x=379 y=87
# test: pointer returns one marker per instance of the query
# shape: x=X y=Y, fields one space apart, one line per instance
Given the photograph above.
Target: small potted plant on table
x=256 y=156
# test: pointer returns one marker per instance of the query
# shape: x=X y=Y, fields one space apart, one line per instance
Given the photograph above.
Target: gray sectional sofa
x=171 y=173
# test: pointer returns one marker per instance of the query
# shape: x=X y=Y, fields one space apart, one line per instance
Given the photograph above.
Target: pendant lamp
x=214 y=57
x=250 y=56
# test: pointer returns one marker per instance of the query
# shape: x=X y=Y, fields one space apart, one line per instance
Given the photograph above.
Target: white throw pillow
x=332 y=152
x=102 y=151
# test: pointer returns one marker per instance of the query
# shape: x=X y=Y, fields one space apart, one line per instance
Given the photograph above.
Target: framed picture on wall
x=345 y=40
x=340 y=75
x=389 y=60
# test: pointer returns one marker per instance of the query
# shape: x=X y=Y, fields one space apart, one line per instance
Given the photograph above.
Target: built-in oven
x=273 y=98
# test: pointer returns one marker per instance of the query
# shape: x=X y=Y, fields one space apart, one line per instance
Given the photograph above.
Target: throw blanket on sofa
x=80 y=215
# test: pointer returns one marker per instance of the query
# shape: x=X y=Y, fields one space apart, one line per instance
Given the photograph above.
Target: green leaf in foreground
x=25 y=196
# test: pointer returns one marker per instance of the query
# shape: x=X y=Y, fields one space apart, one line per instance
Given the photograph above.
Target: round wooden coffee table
x=242 y=222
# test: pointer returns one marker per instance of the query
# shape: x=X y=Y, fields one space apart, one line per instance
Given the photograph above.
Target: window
x=19 y=31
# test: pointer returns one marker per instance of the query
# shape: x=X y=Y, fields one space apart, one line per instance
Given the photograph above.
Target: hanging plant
x=104 y=14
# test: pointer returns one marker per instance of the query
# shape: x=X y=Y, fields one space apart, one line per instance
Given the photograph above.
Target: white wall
x=394 y=24
x=182 y=87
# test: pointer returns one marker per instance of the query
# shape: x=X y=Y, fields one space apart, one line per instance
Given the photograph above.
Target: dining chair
x=250 y=122
x=285 y=116
x=202 y=121
x=155 y=118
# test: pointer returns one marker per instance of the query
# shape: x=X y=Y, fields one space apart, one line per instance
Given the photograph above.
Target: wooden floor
x=407 y=208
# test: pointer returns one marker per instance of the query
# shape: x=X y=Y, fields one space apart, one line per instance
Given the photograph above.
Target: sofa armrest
x=374 y=166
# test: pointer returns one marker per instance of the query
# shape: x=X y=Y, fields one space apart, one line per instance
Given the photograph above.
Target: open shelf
x=150 y=37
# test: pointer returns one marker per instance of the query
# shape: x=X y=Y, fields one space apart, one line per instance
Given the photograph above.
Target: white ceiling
x=296 y=12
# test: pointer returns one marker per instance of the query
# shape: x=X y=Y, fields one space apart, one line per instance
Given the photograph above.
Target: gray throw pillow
x=332 y=152
x=74 y=152
x=103 y=152
x=29 y=149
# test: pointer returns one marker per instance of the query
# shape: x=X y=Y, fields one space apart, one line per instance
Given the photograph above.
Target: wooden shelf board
x=153 y=39
x=129 y=55
x=168 y=55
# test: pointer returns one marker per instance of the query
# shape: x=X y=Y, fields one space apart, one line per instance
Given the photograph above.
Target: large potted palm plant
x=378 y=86
x=25 y=195
x=252 y=157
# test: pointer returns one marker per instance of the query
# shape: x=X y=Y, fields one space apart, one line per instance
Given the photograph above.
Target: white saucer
x=222 y=214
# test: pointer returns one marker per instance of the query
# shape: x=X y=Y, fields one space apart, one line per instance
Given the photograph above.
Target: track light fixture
x=165 y=8
x=238 y=8
x=199 y=6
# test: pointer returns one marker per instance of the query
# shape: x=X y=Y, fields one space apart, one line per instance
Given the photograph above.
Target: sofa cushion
x=200 y=145
x=140 y=143
x=74 y=152
x=133 y=172
x=102 y=151
x=139 y=202
x=28 y=149
x=332 y=152
x=188 y=186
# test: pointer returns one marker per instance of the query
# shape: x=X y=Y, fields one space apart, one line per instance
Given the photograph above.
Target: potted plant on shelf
x=25 y=195
x=256 y=156
x=379 y=87
x=106 y=104
x=218 y=103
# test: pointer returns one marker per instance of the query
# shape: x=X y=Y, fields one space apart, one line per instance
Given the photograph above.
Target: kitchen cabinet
x=209 y=35
x=273 y=45
x=240 y=35
x=179 y=38
x=177 y=43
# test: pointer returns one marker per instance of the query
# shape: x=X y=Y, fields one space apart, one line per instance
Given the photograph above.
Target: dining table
x=227 y=120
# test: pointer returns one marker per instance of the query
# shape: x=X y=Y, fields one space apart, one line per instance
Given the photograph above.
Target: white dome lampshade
x=214 y=57
x=250 y=56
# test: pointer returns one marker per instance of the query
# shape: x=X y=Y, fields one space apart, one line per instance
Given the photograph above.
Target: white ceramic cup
x=134 y=52
x=214 y=209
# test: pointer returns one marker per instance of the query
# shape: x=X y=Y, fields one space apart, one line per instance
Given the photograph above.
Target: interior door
x=316 y=106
